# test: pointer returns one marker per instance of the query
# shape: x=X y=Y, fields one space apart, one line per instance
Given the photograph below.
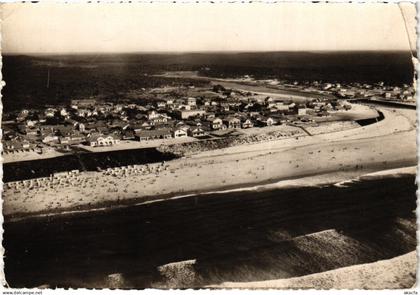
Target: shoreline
x=384 y=145
x=310 y=180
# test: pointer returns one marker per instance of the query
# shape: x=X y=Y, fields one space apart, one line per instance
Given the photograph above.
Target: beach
x=339 y=155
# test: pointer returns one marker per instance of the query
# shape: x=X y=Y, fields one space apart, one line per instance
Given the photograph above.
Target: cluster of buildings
x=96 y=124
x=405 y=93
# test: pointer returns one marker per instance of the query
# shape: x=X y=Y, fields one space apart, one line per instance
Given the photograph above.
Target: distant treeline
x=33 y=81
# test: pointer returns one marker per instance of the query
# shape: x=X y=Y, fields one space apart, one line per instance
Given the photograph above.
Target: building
x=178 y=133
x=302 y=111
x=232 y=122
x=15 y=145
x=191 y=101
x=153 y=115
x=215 y=123
x=97 y=140
x=144 y=135
x=186 y=114
x=197 y=132
x=247 y=123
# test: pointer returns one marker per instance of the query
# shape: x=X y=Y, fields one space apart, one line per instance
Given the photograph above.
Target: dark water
x=236 y=236
x=81 y=161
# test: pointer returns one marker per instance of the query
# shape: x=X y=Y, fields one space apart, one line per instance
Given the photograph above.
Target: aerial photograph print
x=209 y=145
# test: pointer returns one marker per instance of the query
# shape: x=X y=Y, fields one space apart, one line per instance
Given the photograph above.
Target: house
x=30 y=123
x=76 y=138
x=152 y=115
x=83 y=113
x=265 y=121
x=143 y=135
x=139 y=125
x=159 y=120
x=302 y=111
x=232 y=122
x=161 y=104
x=12 y=145
x=97 y=140
x=387 y=95
x=215 y=123
x=268 y=100
x=63 y=112
x=128 y=133
x=269 y=121
x=64 y=130
x=50 y=112
x=185 y=114
x=26 y=144
x=224 y=106
x=180 y=132
x=184 y=107
x=49 y=137
x=247 y=123
x=191 y=101
x=281 y=106
x=81 y=127
x=28 y=130
x=197 y=132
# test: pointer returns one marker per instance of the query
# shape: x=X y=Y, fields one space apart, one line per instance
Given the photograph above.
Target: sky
x=154 y=27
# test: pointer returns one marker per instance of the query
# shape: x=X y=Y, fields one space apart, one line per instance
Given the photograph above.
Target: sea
x=199 y=240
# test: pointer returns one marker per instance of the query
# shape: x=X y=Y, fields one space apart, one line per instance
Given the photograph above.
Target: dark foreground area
x=238 y=236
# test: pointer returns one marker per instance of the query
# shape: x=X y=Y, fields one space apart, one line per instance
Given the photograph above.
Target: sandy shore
x=395 y=273
x=390 y=143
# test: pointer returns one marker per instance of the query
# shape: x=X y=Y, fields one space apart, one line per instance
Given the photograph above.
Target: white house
x=178 y=133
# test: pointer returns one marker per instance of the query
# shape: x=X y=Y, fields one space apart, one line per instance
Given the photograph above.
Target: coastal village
x=208 y=146
x=179 y=112
x=182 y=120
